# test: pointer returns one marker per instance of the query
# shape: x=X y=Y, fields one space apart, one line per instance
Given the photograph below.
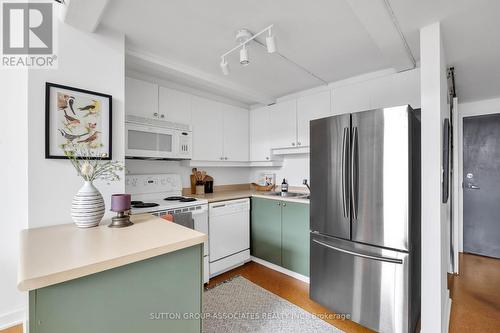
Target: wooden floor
x=15 y=329
x=293 y=290
x=475 y=295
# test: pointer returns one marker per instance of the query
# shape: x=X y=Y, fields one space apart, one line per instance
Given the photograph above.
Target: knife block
x=193 y=184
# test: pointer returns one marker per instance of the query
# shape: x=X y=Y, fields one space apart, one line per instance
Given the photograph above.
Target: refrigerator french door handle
x=359 y=254
x=354 y=173
x=344 y=180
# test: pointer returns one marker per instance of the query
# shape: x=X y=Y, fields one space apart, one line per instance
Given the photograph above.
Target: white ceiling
x=470 y=31
x=324 y=36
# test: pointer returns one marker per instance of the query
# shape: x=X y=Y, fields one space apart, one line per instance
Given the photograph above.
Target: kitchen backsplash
x=222 y=176
x=295 y=168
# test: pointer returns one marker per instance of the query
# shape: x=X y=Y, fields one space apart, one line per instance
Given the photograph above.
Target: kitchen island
x=144 y=278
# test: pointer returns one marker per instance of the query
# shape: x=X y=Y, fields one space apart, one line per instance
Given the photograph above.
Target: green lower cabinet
x=152 y=295
x=280 y=233
x=265 y=231
x=295 y=237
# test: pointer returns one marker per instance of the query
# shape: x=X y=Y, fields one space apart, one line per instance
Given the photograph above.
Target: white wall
x=92 y=61
x=435 y=215
x=369 y=91
x=38 y=192
x=14 y=193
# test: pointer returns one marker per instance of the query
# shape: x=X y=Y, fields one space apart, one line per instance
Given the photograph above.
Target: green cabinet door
x=148 y=296
x=266 y=230
x=295 y=237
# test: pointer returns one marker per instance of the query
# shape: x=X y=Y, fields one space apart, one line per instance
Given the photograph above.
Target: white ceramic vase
x=87 y=209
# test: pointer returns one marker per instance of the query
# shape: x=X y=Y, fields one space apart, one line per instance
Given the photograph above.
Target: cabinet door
x=236 y=138
x=174 y=105
x=308 y=108
x=397 y=89
x=207 y=121
x=141 y=98
x=265 y=230
x=295 y=237
x=352 y=98
x=260 y=148
x=284 y=124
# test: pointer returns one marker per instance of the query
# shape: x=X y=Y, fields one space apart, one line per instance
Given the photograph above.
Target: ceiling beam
x=83 y=14
x=139 y=61
x=382 y=25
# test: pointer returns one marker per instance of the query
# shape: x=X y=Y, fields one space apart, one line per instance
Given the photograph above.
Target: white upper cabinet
x=174 y=105
x=405 y=89
x=308 y=108
x=260 y=132
x=392 y=90
x=141 y=98
x=220 y=131
x=351 y=98
x=283 y=118
x=236 y=136
x=208 y=129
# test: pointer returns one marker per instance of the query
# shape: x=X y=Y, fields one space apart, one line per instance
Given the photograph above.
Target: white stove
x=155 y=189
x=170 y=206
x=152 y=190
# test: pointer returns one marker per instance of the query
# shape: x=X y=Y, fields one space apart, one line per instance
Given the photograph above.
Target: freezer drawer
x=367 y=283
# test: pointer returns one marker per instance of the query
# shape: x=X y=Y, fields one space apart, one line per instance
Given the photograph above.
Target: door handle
x=472 y=187
x=219 y=206
x=359 y=254
x=345 y=208
x=354 y=173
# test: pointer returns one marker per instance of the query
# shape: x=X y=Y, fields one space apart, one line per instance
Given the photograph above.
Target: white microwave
x=157 y=139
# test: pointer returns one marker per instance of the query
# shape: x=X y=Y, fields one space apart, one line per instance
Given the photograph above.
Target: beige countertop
x=240 y=194
x=55 y=254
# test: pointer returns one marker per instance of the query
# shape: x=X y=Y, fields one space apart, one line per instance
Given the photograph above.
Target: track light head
x=270 y=42
x=244 y=56
x=224 y=66
x=243 y=38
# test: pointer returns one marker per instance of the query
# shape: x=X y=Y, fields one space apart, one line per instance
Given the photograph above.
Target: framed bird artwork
x=77 y=118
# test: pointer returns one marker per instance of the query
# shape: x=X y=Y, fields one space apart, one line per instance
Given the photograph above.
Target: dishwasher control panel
x=228 y=207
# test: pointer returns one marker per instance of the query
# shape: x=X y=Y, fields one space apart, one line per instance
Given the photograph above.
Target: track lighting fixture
x=224 y=66
x=244 y=56
x=270 y=42
x=244 y=37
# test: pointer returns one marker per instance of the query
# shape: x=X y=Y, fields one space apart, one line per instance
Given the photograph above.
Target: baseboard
x=11 y=319
x=448 y=314
x=281 y=269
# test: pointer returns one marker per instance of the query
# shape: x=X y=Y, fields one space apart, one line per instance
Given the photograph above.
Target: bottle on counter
x=284 y=186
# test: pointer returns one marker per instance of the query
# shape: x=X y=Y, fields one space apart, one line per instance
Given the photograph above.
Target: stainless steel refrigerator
x=365 y=216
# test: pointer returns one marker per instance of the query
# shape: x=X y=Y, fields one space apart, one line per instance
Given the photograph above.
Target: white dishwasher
x=229 y=234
